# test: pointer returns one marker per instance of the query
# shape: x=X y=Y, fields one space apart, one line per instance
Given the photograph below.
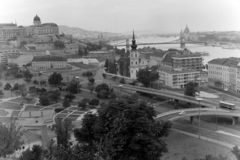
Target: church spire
x=133 y=46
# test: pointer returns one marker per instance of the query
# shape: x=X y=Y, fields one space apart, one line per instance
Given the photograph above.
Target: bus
x=226 y=105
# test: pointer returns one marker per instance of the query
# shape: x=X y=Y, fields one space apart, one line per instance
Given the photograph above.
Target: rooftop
x=48 y=58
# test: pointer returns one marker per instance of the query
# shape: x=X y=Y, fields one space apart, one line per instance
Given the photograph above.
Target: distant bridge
x=179 y=41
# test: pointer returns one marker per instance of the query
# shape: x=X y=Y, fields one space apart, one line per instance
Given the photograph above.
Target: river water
x=215 y=52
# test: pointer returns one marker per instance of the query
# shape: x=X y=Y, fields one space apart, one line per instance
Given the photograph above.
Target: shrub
x=85 y=100
x=7 y=86
x=102 y=94
x=112 y=95
x=82 y=105
x=69 y=96
x=87 y=73
x=94 y=102
x=43 y=100
x=122 y=81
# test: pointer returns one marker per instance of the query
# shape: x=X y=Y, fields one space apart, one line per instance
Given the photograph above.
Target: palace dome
x=36 y=18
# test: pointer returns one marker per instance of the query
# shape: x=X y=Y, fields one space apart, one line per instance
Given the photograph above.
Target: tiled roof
x=225 y=61
x=158 y=54
x=219 y=61
x=50 y=24
x=48 y=58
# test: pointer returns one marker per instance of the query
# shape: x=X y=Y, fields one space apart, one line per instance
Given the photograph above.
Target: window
x=136 y=62
x=135 y=55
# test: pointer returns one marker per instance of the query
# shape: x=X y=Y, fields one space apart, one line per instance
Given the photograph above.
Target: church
x=39 y=28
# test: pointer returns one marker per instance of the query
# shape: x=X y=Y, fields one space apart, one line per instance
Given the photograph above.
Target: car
x=182 y=113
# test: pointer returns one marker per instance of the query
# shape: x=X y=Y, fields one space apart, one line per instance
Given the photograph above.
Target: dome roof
x=36 y=18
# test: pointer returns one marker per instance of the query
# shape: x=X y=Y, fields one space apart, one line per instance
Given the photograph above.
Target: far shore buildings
x=48 y=62
x=224 y=73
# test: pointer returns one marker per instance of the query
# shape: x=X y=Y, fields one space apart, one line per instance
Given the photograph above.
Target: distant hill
x=82 y=33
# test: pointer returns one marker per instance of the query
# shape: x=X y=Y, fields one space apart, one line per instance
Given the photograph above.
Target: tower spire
x=133 y=46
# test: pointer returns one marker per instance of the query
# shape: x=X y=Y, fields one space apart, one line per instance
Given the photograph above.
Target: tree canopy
x=74 y=87
x=146 y=76
x=59 y=44
x=27 y=76
x=124 y=129
x=55 y=79
x=10 y=138
x=191 y=89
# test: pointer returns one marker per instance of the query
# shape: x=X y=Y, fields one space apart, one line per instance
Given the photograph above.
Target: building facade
x=47 y=62
x=180 y=67
x=9 y=31
x=224 y=73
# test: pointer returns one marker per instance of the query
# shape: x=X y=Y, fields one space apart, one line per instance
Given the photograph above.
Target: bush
x=112 y=95
x=87 y=73
x=43 y=100
x=82 y=105
x=91 y=80
x=102 y=94
x=69 y=96
x=102 y=86
x=122 y=81
x=94 y=102
x=35 y=82
x=57 y=110
x=85 y=100
x=7 y=86
x=18 y=75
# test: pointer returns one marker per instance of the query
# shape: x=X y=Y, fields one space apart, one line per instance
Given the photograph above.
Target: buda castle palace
x=10 y=31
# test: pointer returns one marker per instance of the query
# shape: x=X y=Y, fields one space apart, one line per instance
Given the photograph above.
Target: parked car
x=182 y=113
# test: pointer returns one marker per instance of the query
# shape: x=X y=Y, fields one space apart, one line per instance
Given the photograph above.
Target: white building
x=88 y=61
x=139 y=60
x=46 y=62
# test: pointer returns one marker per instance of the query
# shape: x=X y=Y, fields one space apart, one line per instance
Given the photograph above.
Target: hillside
x=82 y=33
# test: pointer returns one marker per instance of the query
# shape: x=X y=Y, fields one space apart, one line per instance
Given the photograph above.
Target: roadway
x=170 y=95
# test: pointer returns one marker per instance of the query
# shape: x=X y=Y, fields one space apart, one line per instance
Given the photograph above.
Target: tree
x=54 y=95
x=69 y=97
x=146 y=77
x=104 y=75
x=35 y=154
x=93 y=102
x=74 y=87
x=85 y=100
x=43 y=100
x=102 y=94
x=59 y=44
x=82 y=105
x=236 y=152
x=91 y=87
x=80 y=52
x=113 y=95
x=10 y=138
x=124 y=129
x=7 y=86
x=102 y=86
x=65 y=103
x=190 y=89
x=122 y=81
x=1 y=92
x=62 y=130
x=35 y=82
x=106 y=65
x=91 y=80
x=15 y=86
x=27 y=76
x=55 y=79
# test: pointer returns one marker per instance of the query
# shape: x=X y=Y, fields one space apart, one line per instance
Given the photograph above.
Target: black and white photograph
x=119 y=79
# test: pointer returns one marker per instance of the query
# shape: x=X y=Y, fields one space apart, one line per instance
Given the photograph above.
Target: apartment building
x=180 y=67
x=225 y=73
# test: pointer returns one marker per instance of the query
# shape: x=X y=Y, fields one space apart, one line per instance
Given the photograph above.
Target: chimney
x=44 y=136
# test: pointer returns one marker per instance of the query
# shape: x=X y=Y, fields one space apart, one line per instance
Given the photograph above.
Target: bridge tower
x=182 y=40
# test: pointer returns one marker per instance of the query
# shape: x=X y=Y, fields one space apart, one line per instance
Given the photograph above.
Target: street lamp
x=116 y=67
x=199 y=100
x=149 y=77
x=120 y=86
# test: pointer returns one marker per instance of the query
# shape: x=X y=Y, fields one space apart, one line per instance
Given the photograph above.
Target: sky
x=162 y=16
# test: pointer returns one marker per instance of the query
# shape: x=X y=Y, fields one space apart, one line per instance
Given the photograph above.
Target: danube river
x=215 y=52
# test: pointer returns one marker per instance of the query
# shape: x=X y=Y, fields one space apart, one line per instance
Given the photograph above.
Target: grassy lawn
x=3 y=112
x=8 y=105
x=20 y=99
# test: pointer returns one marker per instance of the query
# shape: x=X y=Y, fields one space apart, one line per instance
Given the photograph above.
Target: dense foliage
x=124 y=129
x=191 y=89
x=55 y=79
x=147 y=76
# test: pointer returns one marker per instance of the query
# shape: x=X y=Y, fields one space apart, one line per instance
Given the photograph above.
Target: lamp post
x=199 y=100
x=149 y=77
x=120 y=86
x=116 y=67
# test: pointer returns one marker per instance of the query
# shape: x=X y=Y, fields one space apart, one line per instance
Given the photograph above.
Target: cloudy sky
x=124 y=15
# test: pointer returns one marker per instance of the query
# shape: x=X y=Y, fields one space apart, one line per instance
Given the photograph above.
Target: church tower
x=134 y=59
